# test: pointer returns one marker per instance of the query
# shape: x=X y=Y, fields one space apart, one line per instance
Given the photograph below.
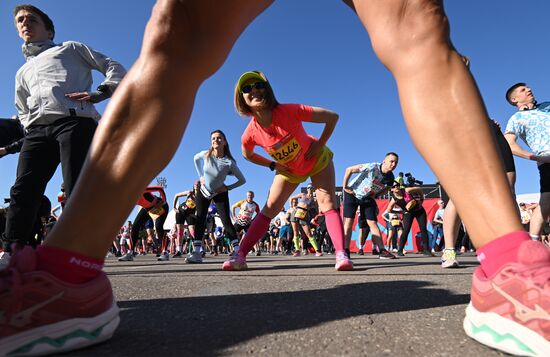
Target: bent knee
x=419 y=29
x=193 y=36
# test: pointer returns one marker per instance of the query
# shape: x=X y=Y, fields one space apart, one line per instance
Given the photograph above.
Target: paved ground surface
x=285 y=306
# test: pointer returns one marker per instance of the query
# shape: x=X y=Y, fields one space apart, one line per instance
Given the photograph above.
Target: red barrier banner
x=431 y=207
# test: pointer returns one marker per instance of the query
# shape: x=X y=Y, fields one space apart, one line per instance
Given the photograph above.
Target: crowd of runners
x=54 y=292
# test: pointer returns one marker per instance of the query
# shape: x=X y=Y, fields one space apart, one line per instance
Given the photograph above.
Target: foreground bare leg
x=441 y=102
x=184 y=43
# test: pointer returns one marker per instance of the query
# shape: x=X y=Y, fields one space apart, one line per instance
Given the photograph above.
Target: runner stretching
x=213 y=166
x=372 y=180
x=247 y=209
x=185 y=213
x=295 y=157
x=302 y=214
x=156 y=208
x=410 y=200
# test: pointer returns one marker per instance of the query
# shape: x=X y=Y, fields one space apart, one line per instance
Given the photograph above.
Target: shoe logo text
x=522 y=312
x=23 y=318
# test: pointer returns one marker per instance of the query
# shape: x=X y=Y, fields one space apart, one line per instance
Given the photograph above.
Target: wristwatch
x=272 y=165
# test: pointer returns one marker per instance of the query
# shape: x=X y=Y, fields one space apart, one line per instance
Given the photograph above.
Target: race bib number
x=301 y=211
x=285 y=150
x=395 y=222
x=190 y=203
x=245 y=215
x=410 y=205
x=156 y=212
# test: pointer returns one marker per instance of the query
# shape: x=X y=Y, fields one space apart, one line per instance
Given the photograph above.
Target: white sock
x=235 y=244
x=534 y=236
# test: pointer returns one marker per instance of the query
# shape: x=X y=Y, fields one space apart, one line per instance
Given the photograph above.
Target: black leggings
x=139 y=224
x=66 y=141
x=420 y=216
x=222 y=204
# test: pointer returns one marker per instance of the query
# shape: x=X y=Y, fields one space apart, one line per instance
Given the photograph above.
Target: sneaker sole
x=503 y=334
x=63 y=336
x=346 y=267
x=234 y=268
x=451 y=266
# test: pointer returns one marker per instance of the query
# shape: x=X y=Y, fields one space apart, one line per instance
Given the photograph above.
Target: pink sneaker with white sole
x=343 y=262
x=511 y=310
x=40 y=314
x=236 y=262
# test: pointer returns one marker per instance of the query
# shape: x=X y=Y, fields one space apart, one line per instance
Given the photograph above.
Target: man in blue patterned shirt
x=372 y=180
x=532 y=124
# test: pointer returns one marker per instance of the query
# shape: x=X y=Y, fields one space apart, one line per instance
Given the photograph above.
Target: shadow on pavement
x=205 y=326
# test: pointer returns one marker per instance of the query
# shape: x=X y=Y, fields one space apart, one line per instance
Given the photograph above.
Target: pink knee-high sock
x=68 y=266
x=493 y=255
x=257 y=229
x=179 y=232
x=335 y=229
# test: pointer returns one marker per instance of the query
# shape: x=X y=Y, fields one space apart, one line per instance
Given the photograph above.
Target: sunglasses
x=248 y=88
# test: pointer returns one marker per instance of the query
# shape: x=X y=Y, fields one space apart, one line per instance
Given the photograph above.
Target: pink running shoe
x=319 y=254
x=236 y=262
x=40 y=314
x=343 y=262
x=511 y=311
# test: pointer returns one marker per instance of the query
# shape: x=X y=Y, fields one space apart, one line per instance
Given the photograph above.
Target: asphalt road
x=286 y=306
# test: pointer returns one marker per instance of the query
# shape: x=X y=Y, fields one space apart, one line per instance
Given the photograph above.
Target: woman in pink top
x=295 y=156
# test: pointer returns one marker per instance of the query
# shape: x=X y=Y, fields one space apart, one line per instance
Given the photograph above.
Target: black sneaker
x=375 y=252
x=386 y=255
x=400 y=253
x=427 y=253
x=360 y=252
x=178 y=255
x=258 y=253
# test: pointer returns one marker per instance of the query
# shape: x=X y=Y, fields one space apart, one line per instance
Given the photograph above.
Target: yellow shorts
x=323 y=159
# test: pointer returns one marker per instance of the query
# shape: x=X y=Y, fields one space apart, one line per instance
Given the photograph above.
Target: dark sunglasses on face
x=248 y=88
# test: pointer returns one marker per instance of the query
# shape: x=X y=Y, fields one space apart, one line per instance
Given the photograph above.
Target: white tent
x=528 y=198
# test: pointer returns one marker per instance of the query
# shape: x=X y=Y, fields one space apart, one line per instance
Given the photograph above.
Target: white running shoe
x=4 y=260
x=448 y=259
x=164 y=257
x=128 y=257
x=194 y=258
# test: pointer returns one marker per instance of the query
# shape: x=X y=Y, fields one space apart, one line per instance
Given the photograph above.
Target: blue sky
x=314 y=52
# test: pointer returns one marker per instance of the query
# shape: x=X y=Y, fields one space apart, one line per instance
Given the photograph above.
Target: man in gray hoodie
x=55 y=105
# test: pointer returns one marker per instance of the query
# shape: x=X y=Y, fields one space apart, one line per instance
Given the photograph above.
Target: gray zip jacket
x=215 y=170
x=53 y=70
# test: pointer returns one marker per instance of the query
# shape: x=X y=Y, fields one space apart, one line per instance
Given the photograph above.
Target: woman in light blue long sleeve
x=213 y=166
